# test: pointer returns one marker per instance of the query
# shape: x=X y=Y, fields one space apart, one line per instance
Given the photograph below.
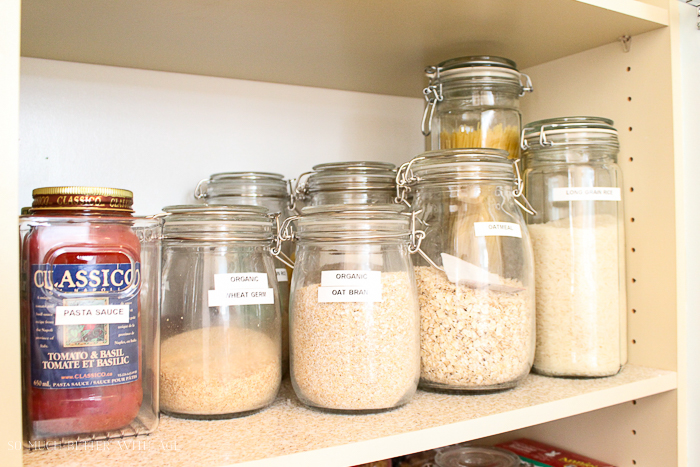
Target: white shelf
x=287 y=434
x=371 y=46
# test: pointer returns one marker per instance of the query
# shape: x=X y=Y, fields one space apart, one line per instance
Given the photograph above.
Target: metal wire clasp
x=404 y=180
x=416 y=238
x=518 y=191
x=433 y=95
x=283 y=233
x=298 y=190
x=200 y=189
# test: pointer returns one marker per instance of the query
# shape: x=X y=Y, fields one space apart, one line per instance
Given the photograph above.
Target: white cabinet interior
x=158 y=133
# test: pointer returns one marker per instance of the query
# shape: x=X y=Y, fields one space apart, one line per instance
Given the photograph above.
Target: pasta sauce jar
x=90 y=275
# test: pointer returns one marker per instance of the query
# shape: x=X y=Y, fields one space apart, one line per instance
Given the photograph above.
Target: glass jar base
x=571 y=375
x=352 y=411
x=224 y=416
x=453 y=389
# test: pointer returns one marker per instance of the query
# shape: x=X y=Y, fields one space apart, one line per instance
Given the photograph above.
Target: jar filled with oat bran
x=574 y=183
x=220 y=318
x=474 y=102
x=354 y=329
x=475 y=272
x=90 y=281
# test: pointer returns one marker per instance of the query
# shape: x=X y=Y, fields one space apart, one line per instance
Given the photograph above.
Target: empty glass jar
x=221 y=323
x=476 y=456
x=475 y=273
x=364 y=182
x=354 y=329
x=473 y=102
x=256 y=189
x=574 y=183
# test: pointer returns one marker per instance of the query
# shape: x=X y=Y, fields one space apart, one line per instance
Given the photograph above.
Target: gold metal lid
x=82 y=198
x=83 y=190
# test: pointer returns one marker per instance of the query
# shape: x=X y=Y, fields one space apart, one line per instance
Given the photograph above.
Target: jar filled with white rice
x=574 y=183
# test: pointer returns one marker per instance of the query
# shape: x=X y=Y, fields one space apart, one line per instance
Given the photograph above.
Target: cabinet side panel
x=10 y=391
x=635 y=90
x=637 y=433
x=688 y=100
x=159 y=133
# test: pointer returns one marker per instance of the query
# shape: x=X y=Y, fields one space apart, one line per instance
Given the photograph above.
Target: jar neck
x=572 y=155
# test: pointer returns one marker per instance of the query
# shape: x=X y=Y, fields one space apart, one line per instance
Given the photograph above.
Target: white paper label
x=237 y=281
x=349 y=294
x=92 y=314
x=349 y=277
x=586 y=194
x=282 y=275
x=497 y=229
x=241 y=297
x=350 y=286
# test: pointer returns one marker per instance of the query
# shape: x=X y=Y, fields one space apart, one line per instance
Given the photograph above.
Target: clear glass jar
x=475 y=272
x=220 y=318
x=473 y=102
x=354 y=328
x=574 y=183
x=265 y=189
x=90 y=281
x=363 y=182
x=476 y=456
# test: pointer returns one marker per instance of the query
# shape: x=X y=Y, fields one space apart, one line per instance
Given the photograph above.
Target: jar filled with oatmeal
x=90 y=281
x=475 y=272
x=354 y=326
x=474 y=102
x=265 y=189
x=360 y=182
x=574 y=183
x=220 y=317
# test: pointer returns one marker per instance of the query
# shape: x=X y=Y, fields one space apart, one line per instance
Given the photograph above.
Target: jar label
x=282 y=275
x=241 y=288
x=586 y=194
x=241 y=297
x=350 y=286
x=241 y=280
x=84 y=325
x=497 y=229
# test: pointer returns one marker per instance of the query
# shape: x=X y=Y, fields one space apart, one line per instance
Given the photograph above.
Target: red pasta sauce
x=81 y=317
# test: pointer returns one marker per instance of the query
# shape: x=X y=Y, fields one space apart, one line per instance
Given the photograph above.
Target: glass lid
x=250 y=184
x=217 y=222
x=343 y=176
x=476 y=456
x=453 y=165
x=563 y=131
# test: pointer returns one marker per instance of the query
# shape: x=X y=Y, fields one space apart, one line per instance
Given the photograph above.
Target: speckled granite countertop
x=288 y=428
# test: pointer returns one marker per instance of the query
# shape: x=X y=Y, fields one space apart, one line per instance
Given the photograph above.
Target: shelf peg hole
x=630 y=128
x=633 y=249
x=631 y=159
x=634 y=310
x=634 y=432
x=629 y=68
x=634 y=341
x=634 y=402
x=631 y=189
x=631 y=219
x=629 y=99
x=634 y=280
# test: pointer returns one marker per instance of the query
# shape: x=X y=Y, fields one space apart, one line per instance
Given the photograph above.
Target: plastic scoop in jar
x=463 y=272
